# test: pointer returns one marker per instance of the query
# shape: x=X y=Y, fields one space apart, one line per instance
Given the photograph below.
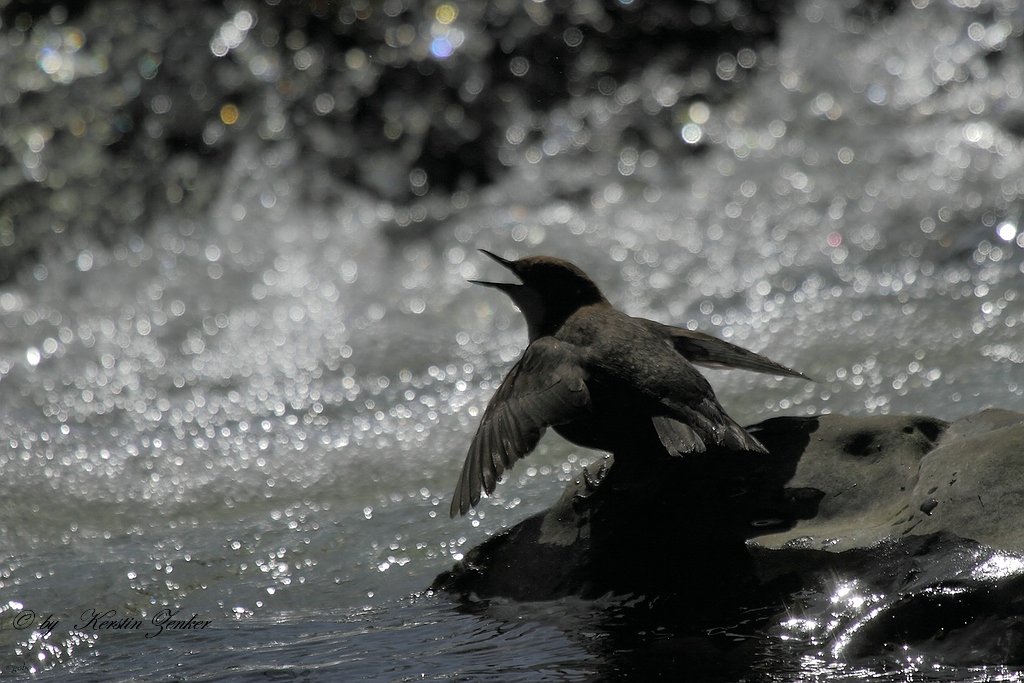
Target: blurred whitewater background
x=240 y=363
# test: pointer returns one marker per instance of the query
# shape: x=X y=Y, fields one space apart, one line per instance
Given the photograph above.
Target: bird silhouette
x=602 y=379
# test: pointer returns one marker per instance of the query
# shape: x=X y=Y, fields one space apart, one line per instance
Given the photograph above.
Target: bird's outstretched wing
x=712 y=352
x=545 y=388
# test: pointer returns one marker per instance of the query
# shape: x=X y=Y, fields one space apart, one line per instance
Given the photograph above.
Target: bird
x=601 y=379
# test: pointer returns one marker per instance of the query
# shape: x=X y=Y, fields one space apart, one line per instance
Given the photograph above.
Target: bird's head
x=549 y=291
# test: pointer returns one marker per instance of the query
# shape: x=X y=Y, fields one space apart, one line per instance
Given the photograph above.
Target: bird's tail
x=679 y=438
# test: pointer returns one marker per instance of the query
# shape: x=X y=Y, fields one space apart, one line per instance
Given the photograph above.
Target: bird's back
x=618 y=349
x=644 y=396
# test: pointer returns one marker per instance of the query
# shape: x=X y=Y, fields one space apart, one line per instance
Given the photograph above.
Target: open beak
x=507 y=287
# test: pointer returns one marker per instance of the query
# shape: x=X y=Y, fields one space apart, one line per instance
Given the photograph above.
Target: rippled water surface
x=257 y=417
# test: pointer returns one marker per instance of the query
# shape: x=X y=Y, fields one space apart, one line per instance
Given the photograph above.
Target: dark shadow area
x=669 y=530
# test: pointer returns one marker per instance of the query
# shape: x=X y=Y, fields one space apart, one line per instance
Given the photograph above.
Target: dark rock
x=664 y=527
x=864 y=467
x=681 y=528
x=893 y=476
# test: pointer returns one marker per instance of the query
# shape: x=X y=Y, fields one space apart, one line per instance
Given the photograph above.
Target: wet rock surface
x=684 y=528
x=899 y=475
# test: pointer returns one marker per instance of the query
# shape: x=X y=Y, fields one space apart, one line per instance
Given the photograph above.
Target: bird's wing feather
x=677 y=437
x=546 y=388
x=691 y=428
x=712 y=352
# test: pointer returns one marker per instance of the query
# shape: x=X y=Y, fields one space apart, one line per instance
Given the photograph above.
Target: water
x=257 y=416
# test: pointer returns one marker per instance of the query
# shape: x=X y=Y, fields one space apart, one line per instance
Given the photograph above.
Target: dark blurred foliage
x=113 y=112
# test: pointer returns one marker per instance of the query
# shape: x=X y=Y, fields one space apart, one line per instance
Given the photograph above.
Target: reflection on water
x=255 y=413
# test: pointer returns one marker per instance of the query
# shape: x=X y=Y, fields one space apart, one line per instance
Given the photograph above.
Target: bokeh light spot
x=1006 y=231
x=229 y=114
x=699 y=113
x=355 y=59
x=692 y=133
x=446 y=13
x=441 y=47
